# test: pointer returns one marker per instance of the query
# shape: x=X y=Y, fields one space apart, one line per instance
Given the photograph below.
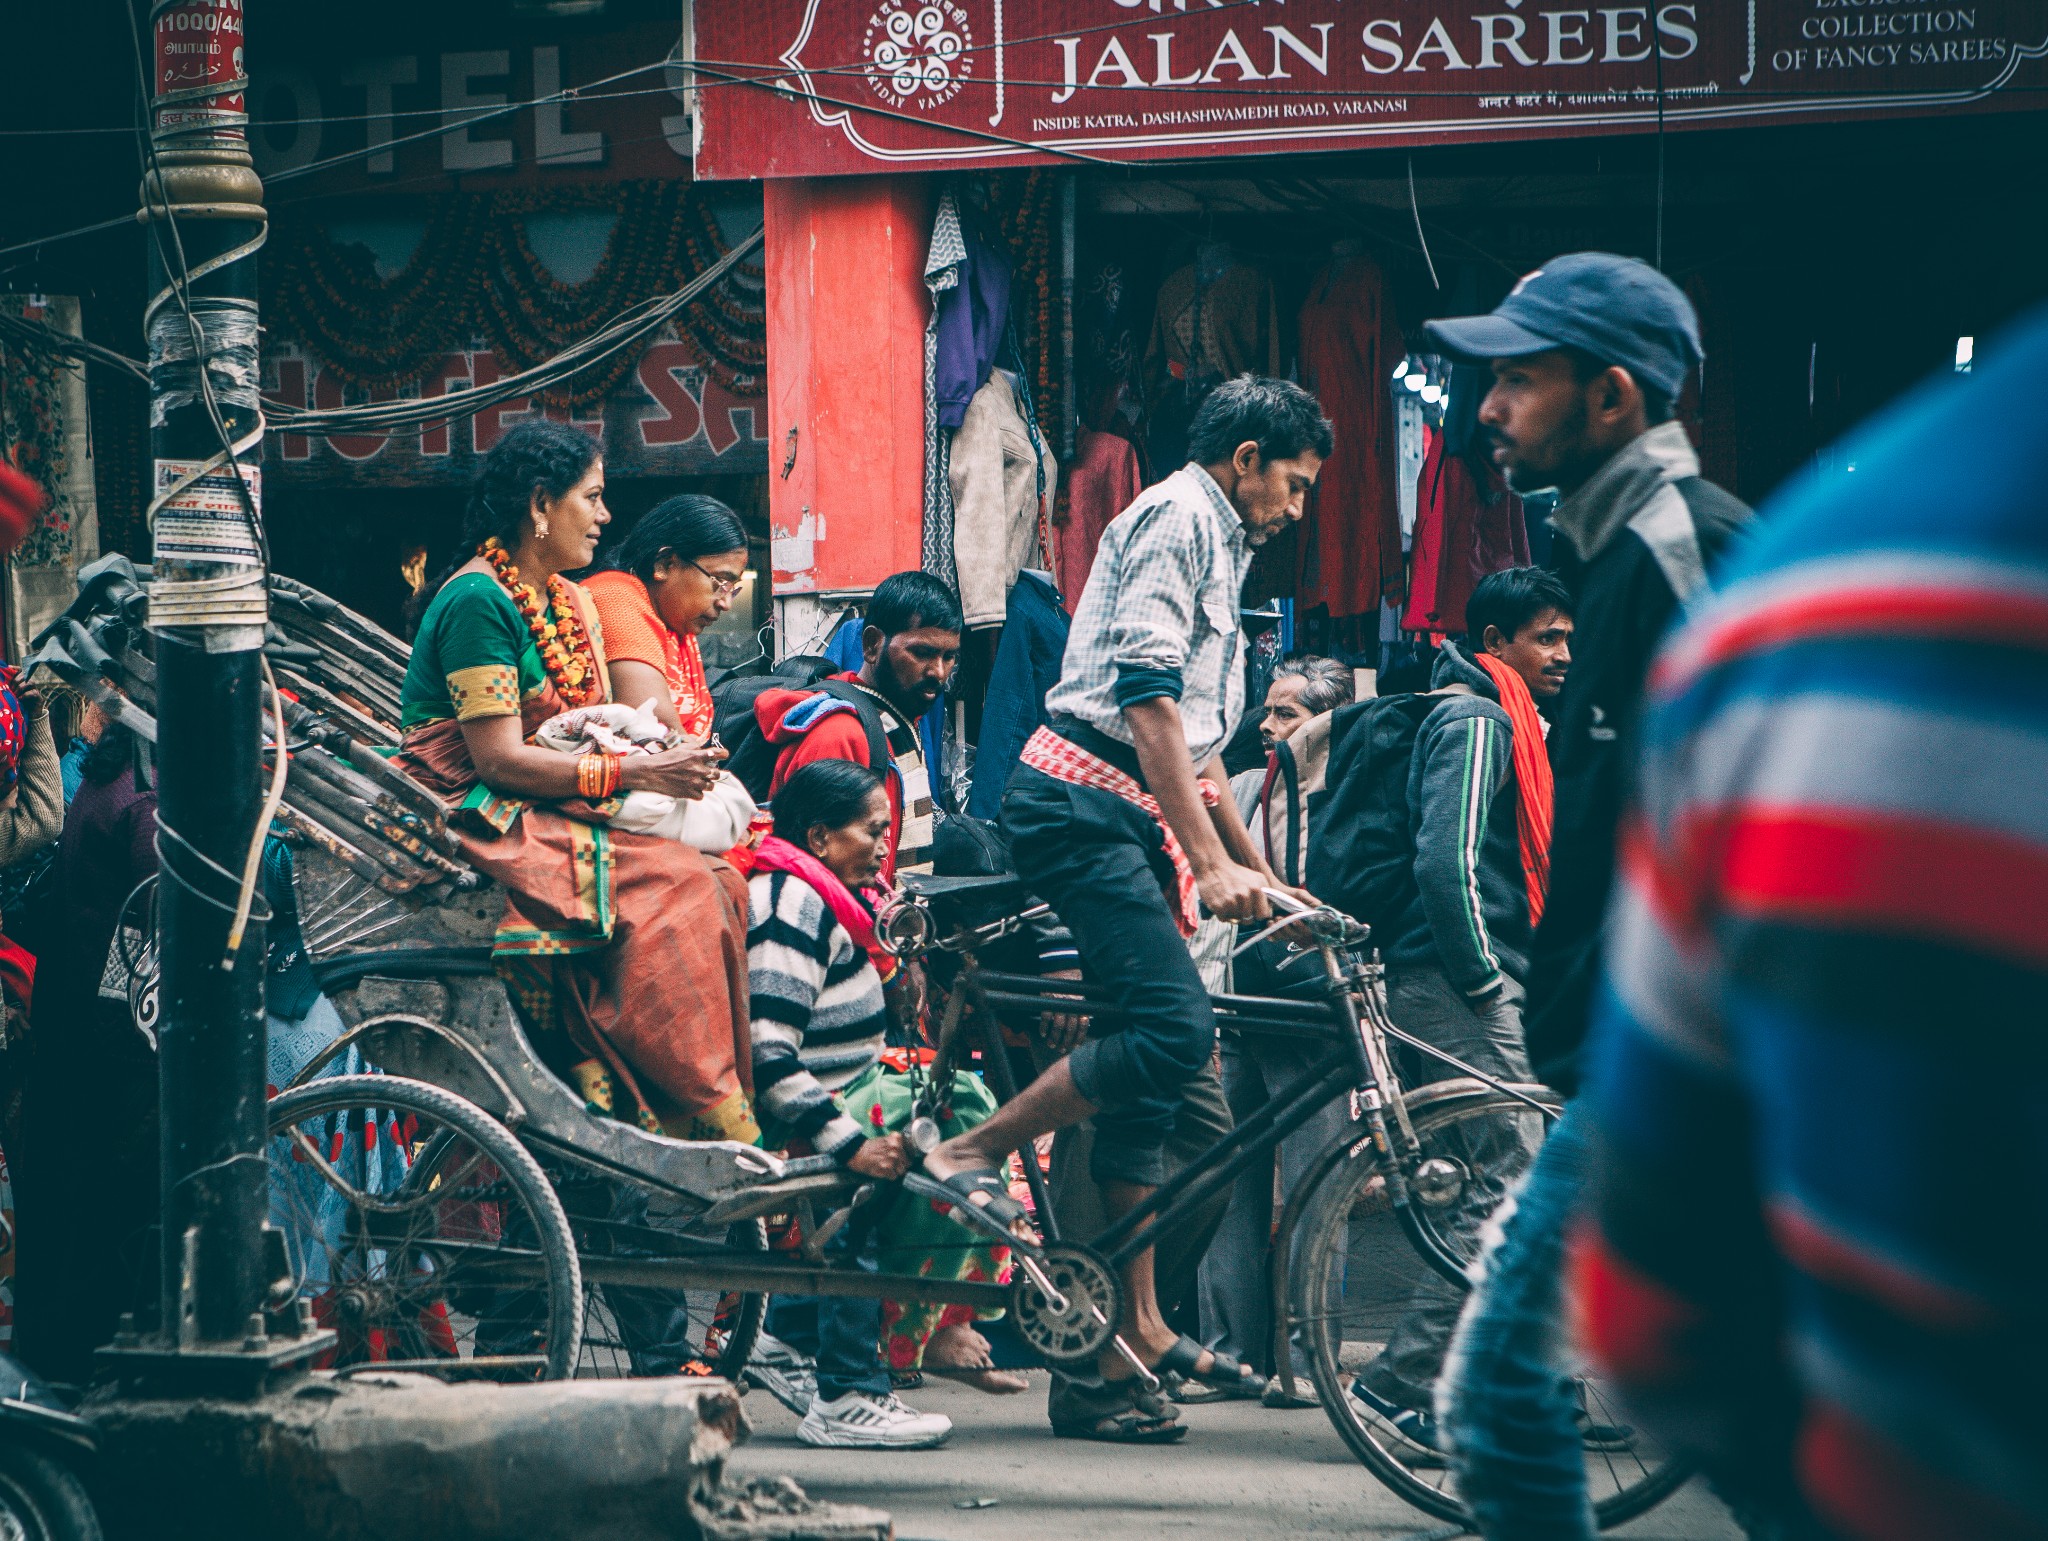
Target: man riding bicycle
x=1118 y=819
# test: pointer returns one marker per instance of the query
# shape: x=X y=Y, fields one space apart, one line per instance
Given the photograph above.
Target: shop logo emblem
x=918 y=54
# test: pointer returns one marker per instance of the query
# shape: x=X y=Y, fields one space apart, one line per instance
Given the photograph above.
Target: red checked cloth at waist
x=1054 y=756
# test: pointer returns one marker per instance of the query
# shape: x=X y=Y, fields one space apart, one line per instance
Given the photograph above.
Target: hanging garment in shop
x=1466 y=526
x=1214 y=318
x=997 y=477
x=1102 y=482
x=1027 y=666
x=969 y=284
x=1351 y=534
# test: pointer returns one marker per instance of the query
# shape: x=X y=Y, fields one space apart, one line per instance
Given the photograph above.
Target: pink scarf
x=778 y=855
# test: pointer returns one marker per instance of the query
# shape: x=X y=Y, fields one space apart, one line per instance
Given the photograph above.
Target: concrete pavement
x=1242 y=1472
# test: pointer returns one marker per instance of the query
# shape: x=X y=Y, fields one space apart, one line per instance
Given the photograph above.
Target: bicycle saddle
x=924 y=885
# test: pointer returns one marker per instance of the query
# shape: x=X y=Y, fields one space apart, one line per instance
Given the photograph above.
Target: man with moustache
x=1119 y=817
x=1589 y=354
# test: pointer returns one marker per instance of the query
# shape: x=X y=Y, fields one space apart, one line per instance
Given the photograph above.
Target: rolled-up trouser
x=1100 y=863
x=1487 y=1037
x=1201 y=1122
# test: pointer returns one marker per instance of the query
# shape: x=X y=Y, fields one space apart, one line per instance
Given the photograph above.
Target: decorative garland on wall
x=1023 y=207
x=475 y=274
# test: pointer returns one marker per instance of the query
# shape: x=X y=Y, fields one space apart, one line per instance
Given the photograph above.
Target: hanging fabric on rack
x=1214 y=318
x=1027 y=666
x=997 y=467
x=1467 y=523
x=1351 y=535
x=1103 y=481
x=969 y=284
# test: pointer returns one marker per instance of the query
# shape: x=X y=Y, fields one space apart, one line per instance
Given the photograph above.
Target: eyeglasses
x=724 y=587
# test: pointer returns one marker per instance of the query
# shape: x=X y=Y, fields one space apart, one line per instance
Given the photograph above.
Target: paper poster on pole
x=208 y=521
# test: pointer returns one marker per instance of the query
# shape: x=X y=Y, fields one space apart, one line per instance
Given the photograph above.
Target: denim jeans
x=843 y=1333
x=1506 y=1400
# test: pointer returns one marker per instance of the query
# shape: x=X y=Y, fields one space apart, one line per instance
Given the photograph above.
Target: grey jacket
x=1468 y=914
x=36 y=816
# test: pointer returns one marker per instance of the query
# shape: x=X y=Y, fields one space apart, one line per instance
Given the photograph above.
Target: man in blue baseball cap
x=1589 y=355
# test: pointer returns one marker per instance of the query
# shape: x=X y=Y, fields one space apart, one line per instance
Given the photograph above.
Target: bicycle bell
x=903 y=925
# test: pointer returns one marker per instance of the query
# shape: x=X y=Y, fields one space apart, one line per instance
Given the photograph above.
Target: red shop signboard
x=830 y=87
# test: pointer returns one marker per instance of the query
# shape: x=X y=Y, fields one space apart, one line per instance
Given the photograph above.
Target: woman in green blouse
x=631 y=947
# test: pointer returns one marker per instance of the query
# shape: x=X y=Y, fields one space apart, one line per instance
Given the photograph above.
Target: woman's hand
x=684 y=773
x=885 y=1158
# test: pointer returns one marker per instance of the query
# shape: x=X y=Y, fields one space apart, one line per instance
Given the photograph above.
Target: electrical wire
x=252 y=863
x=1415 y=207
x=620 y=332
x=40 y=334
x=179 y=281
x=623 y=330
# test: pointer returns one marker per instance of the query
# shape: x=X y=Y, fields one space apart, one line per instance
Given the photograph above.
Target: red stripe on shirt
x=1884 y=873
x=1895 y=611
x=1871 y=1490
x=1835 y=1260
x=1634 y=1326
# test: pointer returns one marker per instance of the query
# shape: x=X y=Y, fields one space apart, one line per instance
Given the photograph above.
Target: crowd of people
x=1733 y=967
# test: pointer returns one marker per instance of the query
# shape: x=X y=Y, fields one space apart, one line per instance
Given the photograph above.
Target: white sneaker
x=879 y=1422
x=782 y=1372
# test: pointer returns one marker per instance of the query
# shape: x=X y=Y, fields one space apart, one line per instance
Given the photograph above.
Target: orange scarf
x=1533 y=785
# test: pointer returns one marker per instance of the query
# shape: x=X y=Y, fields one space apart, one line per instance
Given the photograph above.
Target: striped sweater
x=1819 y=1070
x=818 y=1013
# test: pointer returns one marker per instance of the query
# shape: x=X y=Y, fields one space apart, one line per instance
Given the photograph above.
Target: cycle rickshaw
x=449 y=1203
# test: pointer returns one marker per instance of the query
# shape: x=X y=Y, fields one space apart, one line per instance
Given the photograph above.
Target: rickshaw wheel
x=422 y=1232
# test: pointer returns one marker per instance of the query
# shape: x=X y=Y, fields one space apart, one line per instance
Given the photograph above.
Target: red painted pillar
x=846 y=316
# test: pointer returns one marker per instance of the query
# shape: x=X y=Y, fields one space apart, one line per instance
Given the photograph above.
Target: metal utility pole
x=202 y=206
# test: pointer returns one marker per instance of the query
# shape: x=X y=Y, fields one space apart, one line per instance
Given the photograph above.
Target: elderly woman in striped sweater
x=816 y=977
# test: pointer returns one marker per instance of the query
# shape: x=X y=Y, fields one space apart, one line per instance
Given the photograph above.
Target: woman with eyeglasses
x=675 y=573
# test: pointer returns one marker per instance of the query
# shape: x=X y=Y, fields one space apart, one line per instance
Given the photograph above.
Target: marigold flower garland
x=564 y=645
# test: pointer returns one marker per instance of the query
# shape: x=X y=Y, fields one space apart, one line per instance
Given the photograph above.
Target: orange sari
x=633 y=947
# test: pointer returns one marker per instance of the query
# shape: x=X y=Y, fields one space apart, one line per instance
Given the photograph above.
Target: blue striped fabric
x=1821 y=1072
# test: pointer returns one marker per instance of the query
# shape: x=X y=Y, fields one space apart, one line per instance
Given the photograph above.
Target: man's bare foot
x=963 y=1354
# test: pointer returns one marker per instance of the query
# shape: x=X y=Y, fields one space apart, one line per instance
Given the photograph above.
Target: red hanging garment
x=1459 y=538
x=1103 y=482
x=1351 y=535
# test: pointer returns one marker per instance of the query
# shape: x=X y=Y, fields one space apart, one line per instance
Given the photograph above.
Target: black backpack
x=1361 y=853
x=753 y=756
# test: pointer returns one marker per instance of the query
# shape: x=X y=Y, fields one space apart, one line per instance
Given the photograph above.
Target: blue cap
x=1618 y=309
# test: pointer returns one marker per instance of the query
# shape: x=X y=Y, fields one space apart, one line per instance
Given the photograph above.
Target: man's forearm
x=1230 y=825
x=1162 y=749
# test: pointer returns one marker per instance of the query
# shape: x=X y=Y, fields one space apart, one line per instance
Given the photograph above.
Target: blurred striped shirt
x=1822 y=1068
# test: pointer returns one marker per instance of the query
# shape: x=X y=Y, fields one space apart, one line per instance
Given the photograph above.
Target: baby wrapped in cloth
x=715 y=822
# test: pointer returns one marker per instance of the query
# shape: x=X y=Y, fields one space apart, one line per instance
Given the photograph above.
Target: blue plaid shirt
x=1159 y=616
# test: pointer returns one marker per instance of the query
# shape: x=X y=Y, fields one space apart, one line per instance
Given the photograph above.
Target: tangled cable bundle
x=338 y=675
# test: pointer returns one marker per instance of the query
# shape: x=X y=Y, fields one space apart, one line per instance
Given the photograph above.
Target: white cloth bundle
x=715 y=822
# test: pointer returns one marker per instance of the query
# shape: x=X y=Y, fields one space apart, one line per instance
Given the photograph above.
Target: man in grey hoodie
x=1457 y=943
